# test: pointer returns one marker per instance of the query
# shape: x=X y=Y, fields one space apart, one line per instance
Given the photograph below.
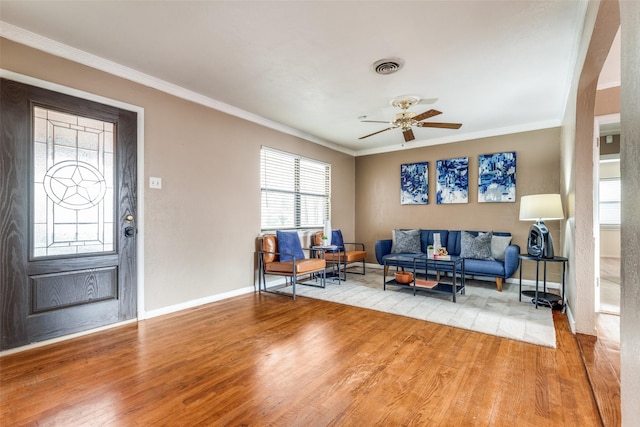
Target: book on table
x=426 y=283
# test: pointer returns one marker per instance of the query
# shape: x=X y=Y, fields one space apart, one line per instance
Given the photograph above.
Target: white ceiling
x=496 y=66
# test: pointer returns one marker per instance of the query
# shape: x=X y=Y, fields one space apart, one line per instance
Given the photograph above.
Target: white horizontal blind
x=296 y=191
x=609 y=205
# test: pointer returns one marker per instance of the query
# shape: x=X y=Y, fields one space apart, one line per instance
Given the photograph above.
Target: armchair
x=288 y=260
x=350 y=252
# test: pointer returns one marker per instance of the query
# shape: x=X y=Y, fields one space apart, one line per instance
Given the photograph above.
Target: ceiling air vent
x=387 y=66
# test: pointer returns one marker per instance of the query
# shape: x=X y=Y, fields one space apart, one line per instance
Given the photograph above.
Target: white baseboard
x=572 y=321
x=532 y=283
x=197 y=302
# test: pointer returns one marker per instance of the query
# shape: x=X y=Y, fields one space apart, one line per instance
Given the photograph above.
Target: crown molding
x=527 y=127
x=36 y=41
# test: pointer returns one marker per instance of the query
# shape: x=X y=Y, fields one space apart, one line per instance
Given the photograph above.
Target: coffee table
x=420 y=265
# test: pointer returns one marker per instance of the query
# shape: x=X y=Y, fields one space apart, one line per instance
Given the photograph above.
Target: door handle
x=129 y=232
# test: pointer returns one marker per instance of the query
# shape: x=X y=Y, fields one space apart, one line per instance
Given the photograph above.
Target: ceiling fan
x=407 y=119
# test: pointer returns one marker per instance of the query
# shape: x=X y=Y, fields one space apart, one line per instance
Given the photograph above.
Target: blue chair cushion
x=289 y=243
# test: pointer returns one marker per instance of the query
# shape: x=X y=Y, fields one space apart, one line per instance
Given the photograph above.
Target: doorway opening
x=609 y=202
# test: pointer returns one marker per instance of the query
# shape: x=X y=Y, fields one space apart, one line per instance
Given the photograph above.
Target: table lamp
x=540 y=207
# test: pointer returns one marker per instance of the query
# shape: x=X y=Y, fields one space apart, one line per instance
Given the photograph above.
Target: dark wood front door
x=67 y=214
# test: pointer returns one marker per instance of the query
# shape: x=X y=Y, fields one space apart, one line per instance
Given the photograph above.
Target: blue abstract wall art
x=414 y=183
x=452 y=181
x=497 y=177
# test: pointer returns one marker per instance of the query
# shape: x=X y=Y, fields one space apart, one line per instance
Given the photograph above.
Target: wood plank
x=268 y=360
x=601 y=358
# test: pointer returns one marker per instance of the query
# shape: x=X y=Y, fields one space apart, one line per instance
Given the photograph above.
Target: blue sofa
x=451 y=239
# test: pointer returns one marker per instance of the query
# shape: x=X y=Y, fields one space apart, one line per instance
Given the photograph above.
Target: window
x=609 y=205
x=296 y=191
x=73 y=184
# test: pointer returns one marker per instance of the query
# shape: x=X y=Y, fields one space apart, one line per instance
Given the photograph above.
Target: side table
x=544 y=297
x=335 y=266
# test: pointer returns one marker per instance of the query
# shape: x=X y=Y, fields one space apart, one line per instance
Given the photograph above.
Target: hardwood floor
x=267 y=360
x=601 y=356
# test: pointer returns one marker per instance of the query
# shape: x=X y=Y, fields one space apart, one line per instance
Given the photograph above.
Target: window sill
x=609 y=226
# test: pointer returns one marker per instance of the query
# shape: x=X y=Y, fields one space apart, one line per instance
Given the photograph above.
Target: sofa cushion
x=476 y=247
x=499 y=246
x=289 y=243
x=406 y=241
x=484 y=267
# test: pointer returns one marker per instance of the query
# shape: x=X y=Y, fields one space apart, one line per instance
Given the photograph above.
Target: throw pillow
x=475 y=247
x=336 y=238
x=499 y=246
x=289 y=243
x=406 y=242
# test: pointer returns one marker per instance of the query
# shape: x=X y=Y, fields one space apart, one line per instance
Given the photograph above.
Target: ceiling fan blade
x=426 y=115
x=375 y=133
x=408 y=135
x=374 y=121
x=440 y=125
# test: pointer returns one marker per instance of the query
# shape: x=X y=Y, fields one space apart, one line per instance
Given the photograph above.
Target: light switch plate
x=155 y=182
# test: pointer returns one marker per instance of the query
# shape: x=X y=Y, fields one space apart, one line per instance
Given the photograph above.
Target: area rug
x=482 y=308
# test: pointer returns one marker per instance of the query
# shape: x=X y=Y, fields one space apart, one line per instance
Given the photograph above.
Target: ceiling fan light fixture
x=405 y=115
x=406 y=119
x=404 y=101
x=387 y=66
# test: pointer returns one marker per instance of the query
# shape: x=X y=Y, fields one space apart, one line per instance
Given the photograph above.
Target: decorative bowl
x=404 y=277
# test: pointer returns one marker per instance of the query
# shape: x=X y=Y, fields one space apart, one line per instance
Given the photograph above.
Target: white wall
x=201 y=228
x=630 y=267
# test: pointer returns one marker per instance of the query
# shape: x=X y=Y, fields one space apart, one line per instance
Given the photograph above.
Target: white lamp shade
x=541 y=207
